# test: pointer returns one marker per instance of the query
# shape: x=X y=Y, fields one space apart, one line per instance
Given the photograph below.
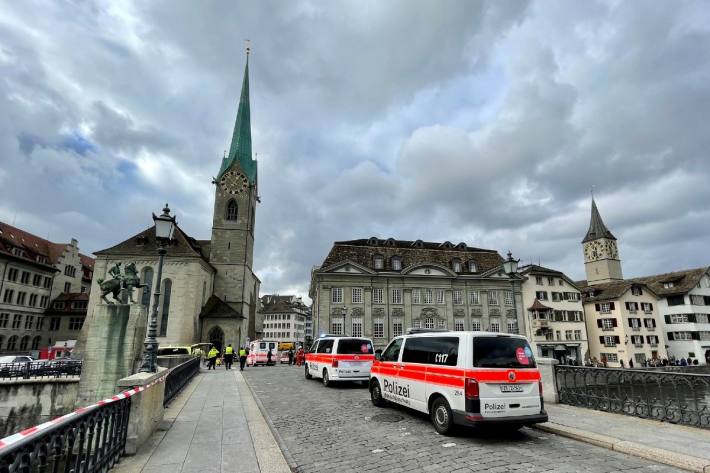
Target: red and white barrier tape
x=29 y=432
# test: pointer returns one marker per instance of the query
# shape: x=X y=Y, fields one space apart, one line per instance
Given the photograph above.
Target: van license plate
x=511 y=388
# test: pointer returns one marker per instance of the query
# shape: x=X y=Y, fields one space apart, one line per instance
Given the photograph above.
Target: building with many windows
x=283 y=318
x=378 y=288
x=684 y=310
x=35 y=272
x=554 y=314
x=622 y=316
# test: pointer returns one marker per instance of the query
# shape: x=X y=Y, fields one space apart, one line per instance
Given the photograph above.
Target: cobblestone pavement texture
x=338 y=430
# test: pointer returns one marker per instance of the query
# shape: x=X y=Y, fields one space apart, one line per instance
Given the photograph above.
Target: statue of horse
x=128 y=281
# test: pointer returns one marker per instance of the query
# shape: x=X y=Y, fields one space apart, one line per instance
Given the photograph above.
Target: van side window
x=391 y=353
x=314 y=347
x=431 y=350
x=325 y=346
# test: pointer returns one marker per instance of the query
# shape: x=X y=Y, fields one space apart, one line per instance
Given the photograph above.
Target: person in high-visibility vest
x=228 y=356
x=212 y=358
x=242 y=358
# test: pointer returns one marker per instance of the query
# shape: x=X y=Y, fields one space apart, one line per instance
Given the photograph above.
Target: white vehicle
x=259 y=352
x=336 y=358
x=465 y=378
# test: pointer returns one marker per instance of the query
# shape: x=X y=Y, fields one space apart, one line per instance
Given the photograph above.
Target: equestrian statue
x=120 y=282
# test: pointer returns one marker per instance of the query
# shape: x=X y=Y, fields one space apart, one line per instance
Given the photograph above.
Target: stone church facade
x=208 y=292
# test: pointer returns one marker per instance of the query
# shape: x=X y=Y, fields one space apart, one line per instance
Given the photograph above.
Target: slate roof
x=145 y=244
x=683 y=281
x=278 y=303
x=538 y=270
x=217 y=308
x=597 y=229
x=418 y=252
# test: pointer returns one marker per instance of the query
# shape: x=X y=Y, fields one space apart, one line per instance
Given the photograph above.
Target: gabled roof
x=608 y=291
x=537 y=305
x=412 y=253
x=33 y=246
x=683 y=281
x=597 y=229
x=217 y=308
x=145 y=244
x=87 y=261
x=274 y=303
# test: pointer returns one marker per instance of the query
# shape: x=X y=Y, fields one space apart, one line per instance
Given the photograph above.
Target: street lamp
x=510 y=266
x=164 y=228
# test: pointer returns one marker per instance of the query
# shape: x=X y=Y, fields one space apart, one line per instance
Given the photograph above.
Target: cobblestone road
x=338 y=430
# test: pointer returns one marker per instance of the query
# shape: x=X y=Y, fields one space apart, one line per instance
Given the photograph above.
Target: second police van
x=464 y=378
x=339 y=358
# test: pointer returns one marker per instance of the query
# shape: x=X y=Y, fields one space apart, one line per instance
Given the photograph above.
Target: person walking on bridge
x=242 y=358
x=228 y=356
x=212 y=358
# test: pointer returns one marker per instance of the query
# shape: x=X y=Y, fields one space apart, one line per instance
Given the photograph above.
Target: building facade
x=35 y=273
x=284 y=318
x=555 y=315
x=208 y=290
x=378 y=288
x=622 y=316
x=684 y=310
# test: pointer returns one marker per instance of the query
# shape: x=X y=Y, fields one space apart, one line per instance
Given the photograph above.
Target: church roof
x=145 y=244
x=217 y=308
x=240 y=148
x=597 y=229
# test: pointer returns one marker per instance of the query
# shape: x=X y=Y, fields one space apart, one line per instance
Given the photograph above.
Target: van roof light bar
x=411 y=331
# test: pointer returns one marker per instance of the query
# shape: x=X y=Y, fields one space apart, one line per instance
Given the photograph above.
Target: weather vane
x=248 y=45
x=591 y=189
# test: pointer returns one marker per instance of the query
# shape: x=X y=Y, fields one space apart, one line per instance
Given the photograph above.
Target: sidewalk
x=213 y=426
x=675 y=445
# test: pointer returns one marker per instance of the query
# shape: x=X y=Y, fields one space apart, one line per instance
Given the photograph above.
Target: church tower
x=601 y=255
x=232 y=243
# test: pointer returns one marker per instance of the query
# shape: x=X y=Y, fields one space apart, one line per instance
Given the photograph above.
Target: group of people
x=652 y=363
x=296 y=358
x=228 y=357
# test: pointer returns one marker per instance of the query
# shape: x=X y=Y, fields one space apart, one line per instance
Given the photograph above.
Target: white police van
x=465 y=378
x=339 y=358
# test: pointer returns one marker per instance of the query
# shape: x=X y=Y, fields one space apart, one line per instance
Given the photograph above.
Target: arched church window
x=231 y=210
x=12 y=343
x=35 y=342
x=147 y=278
x=165 y=307
x=25 y=342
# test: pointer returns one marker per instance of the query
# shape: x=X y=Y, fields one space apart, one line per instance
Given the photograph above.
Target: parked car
x=15 y=359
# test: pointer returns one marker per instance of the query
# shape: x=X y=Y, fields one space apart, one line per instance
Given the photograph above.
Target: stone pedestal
x=547 y=373
x=146 y=407
x=111 y=346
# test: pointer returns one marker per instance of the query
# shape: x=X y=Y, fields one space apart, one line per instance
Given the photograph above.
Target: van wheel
x=326 y=379
x=308 y=375
x=376 y=394
x=441 y=416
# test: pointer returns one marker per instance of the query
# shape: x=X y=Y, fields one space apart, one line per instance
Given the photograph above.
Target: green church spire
x=240 y=149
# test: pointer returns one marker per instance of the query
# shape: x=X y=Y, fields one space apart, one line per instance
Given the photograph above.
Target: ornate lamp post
x=164 y=228
x=510 y=266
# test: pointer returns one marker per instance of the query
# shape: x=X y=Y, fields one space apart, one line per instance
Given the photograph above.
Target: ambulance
x=338 y=358
x=460 y=378
x=258 y=352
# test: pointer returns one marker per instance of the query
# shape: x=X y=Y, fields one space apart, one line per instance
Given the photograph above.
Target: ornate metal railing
x=679 y=398
x=39 y=369
x=90 y=439
x=178 y=377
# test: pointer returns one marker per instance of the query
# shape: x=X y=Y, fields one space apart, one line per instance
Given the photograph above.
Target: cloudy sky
x=442 y=120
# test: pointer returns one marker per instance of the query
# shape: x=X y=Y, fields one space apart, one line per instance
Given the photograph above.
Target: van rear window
x=354 y=346
x=502 y=352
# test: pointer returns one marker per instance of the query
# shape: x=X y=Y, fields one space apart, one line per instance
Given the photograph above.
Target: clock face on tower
x=233 y=182
x=596 y=250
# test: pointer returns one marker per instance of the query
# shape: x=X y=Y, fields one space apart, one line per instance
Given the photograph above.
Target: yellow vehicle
x=286 y=346
x=196 y=349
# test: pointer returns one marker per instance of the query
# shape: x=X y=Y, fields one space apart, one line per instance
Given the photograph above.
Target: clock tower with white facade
x=601 y=255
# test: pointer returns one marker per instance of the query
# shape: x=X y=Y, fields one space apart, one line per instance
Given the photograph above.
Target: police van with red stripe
x=464 y=378
x=339 y=358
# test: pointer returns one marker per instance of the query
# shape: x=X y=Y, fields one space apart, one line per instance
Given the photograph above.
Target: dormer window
x=472 y=266
x=461 y=246
x=390 y=242
x=447 y=245
x=418 y=244
x=379 y=262
x=396 y=263
x=668 y=284
x=456 y=264
x=372 y=241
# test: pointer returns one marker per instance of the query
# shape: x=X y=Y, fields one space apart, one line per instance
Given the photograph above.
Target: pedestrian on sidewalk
x=228 y=357
x=242 y=358
x=212 y=358
x=268 y=357
x=290 y=356
x=300 y=356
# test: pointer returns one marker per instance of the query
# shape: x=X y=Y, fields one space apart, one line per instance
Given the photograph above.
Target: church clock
x=233 y=182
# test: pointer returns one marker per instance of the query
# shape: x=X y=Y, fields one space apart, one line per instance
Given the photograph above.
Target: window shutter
x=668 y=319
x=599 y=323
x=670 y=335
x=614 y=323
x=611 y=305
x=597 y=307
x=627 y=304
x=650 y=305
x=653 y=322
x=617 y=339
x=601 y=339
x=630 y=323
